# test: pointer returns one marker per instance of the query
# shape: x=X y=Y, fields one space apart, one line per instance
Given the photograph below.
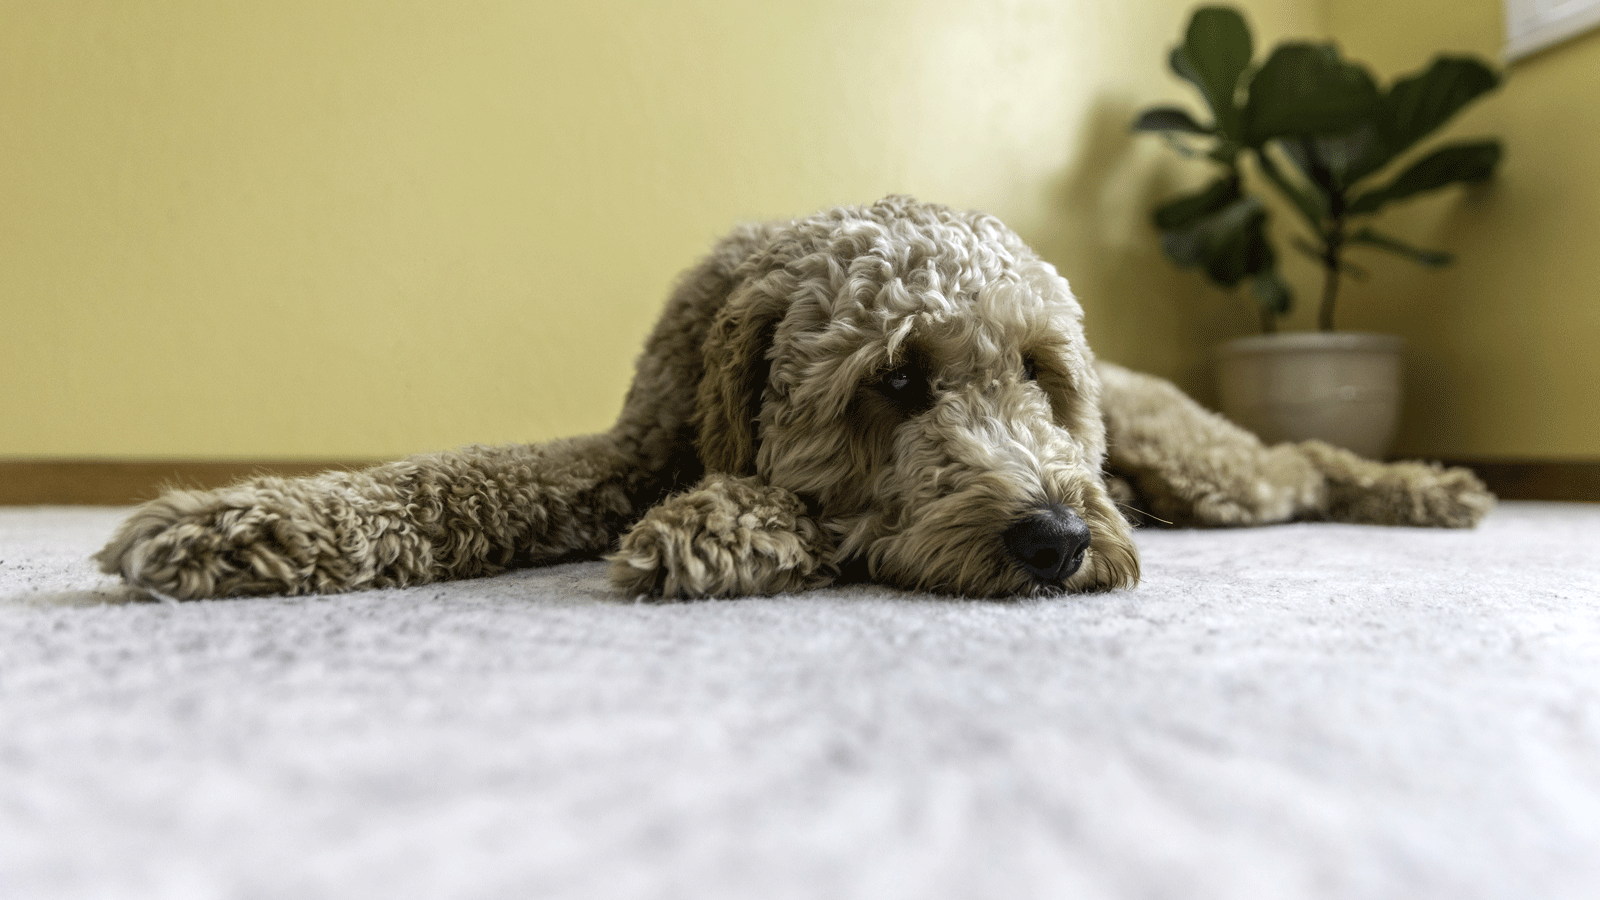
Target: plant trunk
x=1330 y=291
x=1332 y=267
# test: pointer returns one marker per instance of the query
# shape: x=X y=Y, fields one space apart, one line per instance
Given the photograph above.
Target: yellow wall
x=319 y=229
x=312 y=229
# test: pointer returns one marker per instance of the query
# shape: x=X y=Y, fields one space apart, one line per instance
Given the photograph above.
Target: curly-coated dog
x=898 y=392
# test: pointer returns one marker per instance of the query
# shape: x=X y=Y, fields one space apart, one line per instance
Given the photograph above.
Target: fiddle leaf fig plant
x=1321 y=132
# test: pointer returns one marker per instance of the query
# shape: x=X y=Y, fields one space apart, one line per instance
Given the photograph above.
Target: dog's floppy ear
x=737 y=363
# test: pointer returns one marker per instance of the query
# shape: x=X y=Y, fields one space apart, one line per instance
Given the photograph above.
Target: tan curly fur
x=899 y=392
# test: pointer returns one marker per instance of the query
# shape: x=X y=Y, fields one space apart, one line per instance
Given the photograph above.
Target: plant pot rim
x=1290 y=341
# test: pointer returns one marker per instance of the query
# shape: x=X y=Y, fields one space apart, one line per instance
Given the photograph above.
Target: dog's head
x=920 y=377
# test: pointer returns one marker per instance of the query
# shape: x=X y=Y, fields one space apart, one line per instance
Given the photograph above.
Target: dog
x=898 y=392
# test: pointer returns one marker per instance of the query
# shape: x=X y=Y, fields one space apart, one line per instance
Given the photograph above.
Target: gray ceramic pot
x=1339 y=387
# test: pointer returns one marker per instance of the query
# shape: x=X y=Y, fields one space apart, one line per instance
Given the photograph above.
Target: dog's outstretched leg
x=459 y=514
x=471 y=512
x=1190 y=466
x=729 y=536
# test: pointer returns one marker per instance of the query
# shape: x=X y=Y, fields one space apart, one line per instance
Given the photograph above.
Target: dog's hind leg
x=1398 y=493
x=1190 y=466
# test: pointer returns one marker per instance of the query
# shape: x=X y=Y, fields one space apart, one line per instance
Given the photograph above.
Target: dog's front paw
x=235 y=541
x=727 y=537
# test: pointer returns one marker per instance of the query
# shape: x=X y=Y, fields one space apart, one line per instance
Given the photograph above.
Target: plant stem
x=1330 y=290
x=1269 y=319
x=1332 y=264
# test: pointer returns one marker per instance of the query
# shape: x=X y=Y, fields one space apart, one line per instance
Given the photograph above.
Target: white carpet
x=1301 y=711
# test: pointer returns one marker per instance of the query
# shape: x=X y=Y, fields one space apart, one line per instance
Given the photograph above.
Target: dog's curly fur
x=899 y=392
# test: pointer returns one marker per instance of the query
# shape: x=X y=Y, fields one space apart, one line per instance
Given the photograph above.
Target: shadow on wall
x=1141 y=311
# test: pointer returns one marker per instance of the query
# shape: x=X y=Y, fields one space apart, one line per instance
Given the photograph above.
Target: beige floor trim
x=104 y=482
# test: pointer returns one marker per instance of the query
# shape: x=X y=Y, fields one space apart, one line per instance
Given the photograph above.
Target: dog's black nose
x=1049 y=544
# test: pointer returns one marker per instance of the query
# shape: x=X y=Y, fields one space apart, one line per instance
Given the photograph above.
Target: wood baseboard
x=1533 y=479
x=118 y=483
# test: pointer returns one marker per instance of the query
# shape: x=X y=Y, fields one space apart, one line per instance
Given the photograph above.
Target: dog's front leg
x=726 y=537
x=465 y=513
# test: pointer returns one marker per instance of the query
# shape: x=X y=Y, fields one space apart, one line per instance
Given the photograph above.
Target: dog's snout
x=1049 y=543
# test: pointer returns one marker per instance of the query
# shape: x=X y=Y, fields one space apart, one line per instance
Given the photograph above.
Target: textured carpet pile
x=1299 y=711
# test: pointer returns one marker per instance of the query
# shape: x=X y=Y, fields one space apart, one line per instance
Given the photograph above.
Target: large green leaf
x=1309 y=199
x=1471 y=161
x=1215 y=52
x=1309 y=160
x=1417 y=106
x=1230 y=244
x=1239 y=247
x=1307 y=89
x=1272 y=292
x=1370 y=238
x=1178 y=59
x=1350 y=156
x=1330 y=162
x=1169 y=118
x=1191 y=208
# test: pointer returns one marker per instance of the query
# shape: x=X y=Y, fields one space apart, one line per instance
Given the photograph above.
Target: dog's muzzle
x=1048 y=544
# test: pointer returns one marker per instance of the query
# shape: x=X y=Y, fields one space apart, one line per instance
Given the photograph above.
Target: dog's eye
x=907 y=388
x=1030 y=368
